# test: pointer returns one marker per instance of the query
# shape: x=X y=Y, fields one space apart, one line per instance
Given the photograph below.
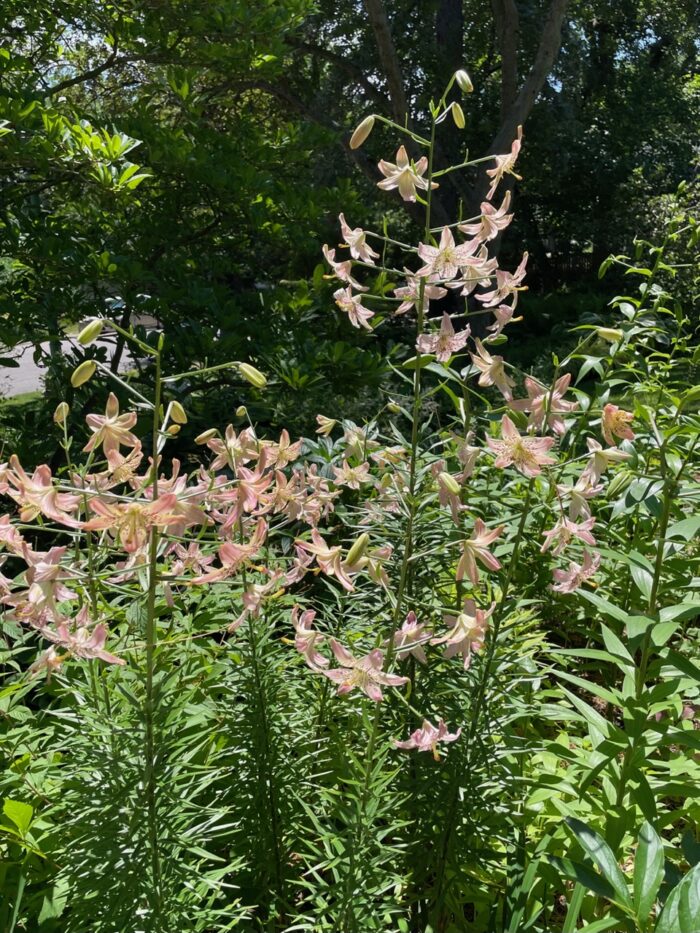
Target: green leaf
x=576 y=871
x=681 y=913
x=648 y=870
x=601 y=853
x=686 y=529
x=18 y=813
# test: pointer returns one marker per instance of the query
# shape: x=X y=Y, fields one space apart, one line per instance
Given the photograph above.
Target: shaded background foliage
x=185 y=161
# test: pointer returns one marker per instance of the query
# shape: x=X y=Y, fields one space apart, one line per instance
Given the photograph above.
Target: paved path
x=28 y=377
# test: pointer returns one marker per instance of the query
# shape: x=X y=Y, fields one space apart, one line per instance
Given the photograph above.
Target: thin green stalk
x=150 y=636
x=348 y=919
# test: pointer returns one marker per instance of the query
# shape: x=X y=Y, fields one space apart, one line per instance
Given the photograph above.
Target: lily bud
x=241 y=411
x=253 y=375
x=358 y=549
x=178 y=413
x=173 y=429
x=61 y=413
x=458 y=116
x=611 y=334
x=449 y=483
x=325 y=425
x=393 y=407
x=362 y=132
x=619 y=483
x=85 y=371
x=91 y=330
x=205 y=436
x=464 y=82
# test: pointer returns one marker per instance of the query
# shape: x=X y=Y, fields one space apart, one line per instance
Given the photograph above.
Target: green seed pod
x=178 y=413
x=362 y=132
x=358 y=549
x=253 y=375
x=464 y=82
x=83 y=373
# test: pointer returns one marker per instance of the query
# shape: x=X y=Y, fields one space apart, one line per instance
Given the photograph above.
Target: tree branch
x=86 y=76
x=378 y=20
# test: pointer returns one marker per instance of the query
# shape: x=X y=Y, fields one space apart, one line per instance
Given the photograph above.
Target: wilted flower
x=404 y=175
x=467 y=631
x=111 y=430
x=527 y=454
x=363 y=673
x=476 y=549
x=426 y=738
x=567 y=581
x=445 y=342
x=616 y=422
x=356 y=240
x=504 y=316
x=505 y=164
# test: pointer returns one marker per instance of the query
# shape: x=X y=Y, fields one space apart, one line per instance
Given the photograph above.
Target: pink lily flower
x=253 y=599
x=476 y=549
x=443 y=262
x=491 y=222
x=578 y=497
x=426 y=738
x=410 y=293
x=404 y=175
x=85 y=643
x=492 y=370
x=467 y=455
x=477 y=271
x=234 y=450
x=527 y=454
x=409 y=639
x=545 y=404
x=10 y=537
x=504 y=316
x=616 y=421
x=190 y=559
x=505 y=164
x=131 y=522
x=111 y=430
x=363 y=673
x=38 y=496
x=577 y=574
x=564 y=531
x=307 y=639
x=599 y=461
x=328 y=559
x=445 y=342
x=342 y=270
x=352 y=476
x=356 y=240
x=507 y=283
x=353 y=307
x=467 y=631
x=232 y=556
